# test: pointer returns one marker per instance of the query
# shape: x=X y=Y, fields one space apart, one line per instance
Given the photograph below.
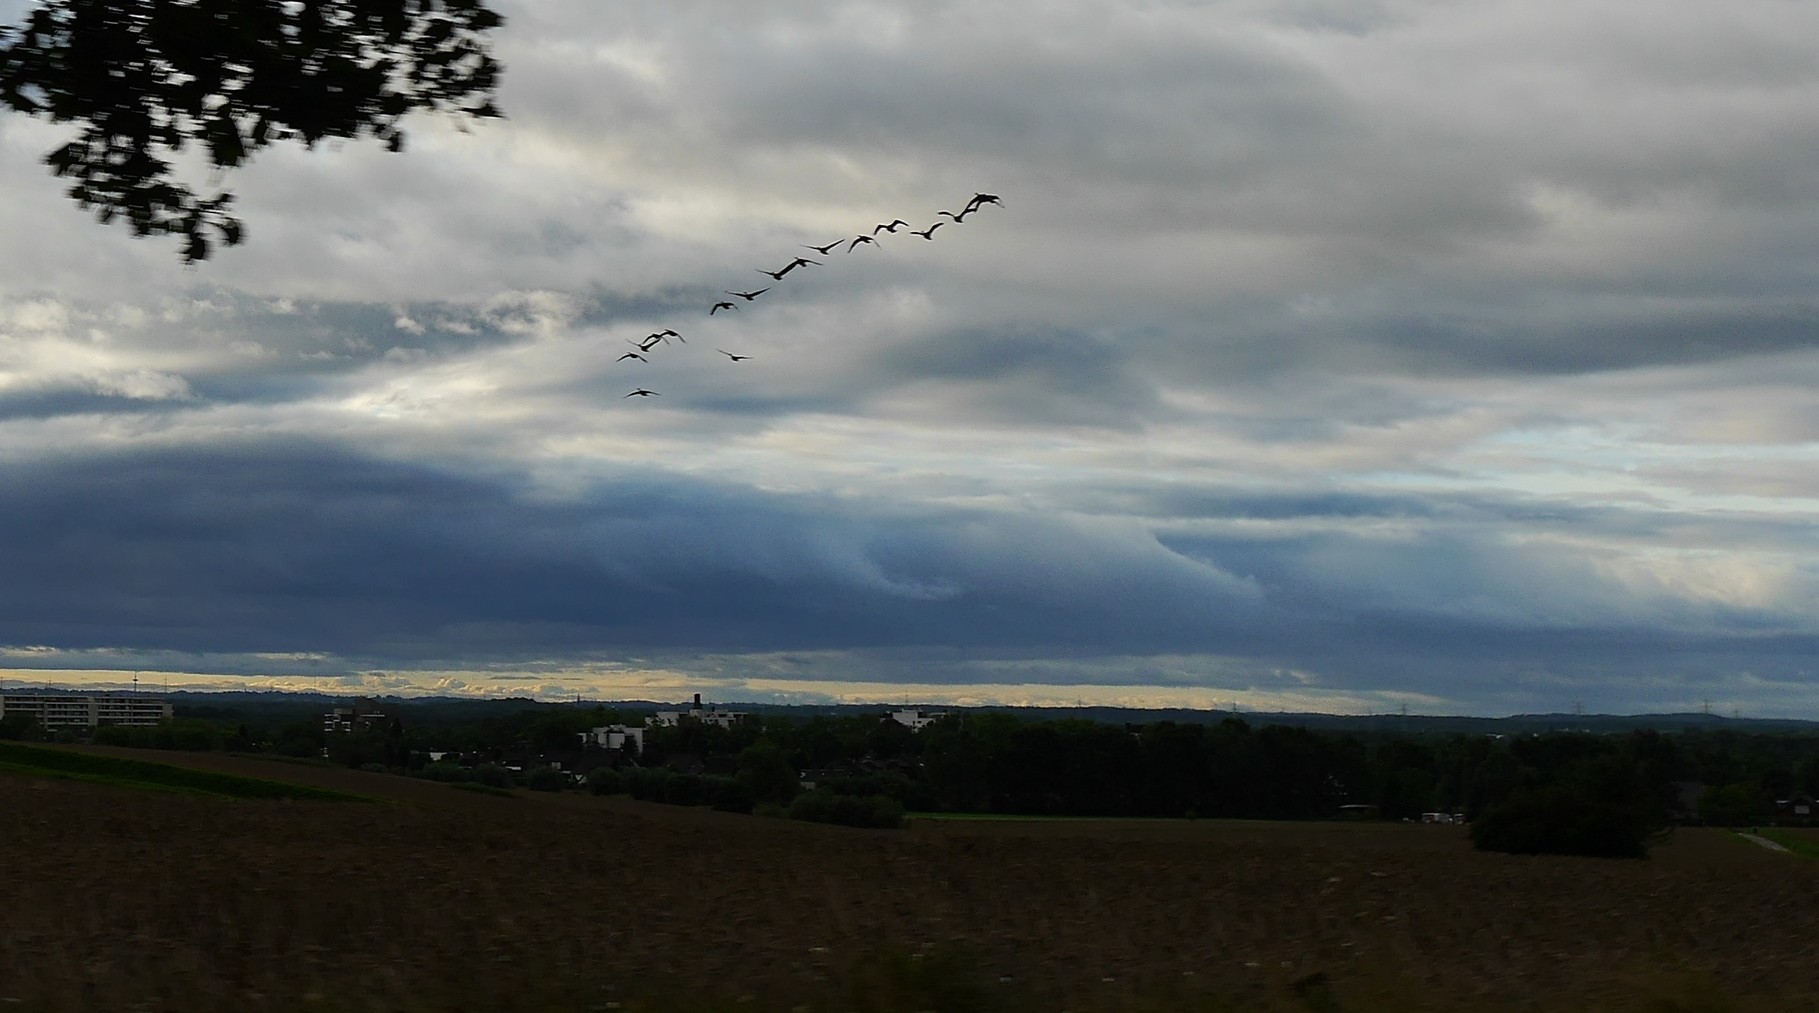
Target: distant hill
x=248 y=703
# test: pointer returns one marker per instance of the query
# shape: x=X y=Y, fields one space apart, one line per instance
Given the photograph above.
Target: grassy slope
x=160 y=776
x=1804 y=845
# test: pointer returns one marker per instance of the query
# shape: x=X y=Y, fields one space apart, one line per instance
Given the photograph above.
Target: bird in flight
x=641 y=392
x=891 y=228
x=928 y=233
x=747 y=296
x=730 y=355
x=667 y=333
x=631 y=355
x=787 y=268
x=643 y=346
x=824 y=250
x=961 y=217
x=980 y=200
x=721 y=305
x=861 y=239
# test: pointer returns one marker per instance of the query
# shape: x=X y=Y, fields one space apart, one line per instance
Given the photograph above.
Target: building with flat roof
x=706 y=715
x=363 y=715
x=69 y=710
x=916 y=720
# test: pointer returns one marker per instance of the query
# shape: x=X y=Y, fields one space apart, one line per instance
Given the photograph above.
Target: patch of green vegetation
x=159 y=776
x=1799 y=844
x=1032 y=818
x=483 y=789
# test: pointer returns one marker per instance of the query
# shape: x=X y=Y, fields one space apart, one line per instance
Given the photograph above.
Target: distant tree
x=20 y=726
x=1406 y=778
x=1601 y=806
x=605 y=781
x=731 y=795
x=822 y=806
x=889 y=739
x=1739 y=804
x=767 y=772
x=146 y=79
x=300 y=738
x=494 y=776
x=546 y=779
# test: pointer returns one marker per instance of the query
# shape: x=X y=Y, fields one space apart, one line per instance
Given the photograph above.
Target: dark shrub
x=684 y=789
x=605 y=781
x=1735 y=805
x=644 y=784
x=445 y=771
x=493 y=775
x=546 y=779
x=823 y=806
x=1561 y=820
x=732 y=795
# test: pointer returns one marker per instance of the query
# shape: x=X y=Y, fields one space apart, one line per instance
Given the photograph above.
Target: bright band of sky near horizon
x=1321 y=356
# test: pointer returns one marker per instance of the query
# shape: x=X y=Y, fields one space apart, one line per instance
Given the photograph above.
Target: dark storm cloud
x=305 y=547
x=47 y=404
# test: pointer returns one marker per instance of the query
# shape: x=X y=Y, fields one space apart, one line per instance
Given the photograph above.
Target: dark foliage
x=1591 y=797
x=1007 y=762
x=146 y=79
x=872 y=812
x=1559 y=820
x=20 y=727
x=605 y=781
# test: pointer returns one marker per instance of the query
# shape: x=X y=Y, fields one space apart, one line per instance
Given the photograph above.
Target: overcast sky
x=1461 y=356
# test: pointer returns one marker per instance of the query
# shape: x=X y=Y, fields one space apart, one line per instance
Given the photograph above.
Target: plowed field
x=448 y=900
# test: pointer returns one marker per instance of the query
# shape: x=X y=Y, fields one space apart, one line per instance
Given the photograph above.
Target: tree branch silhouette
x=145 y=79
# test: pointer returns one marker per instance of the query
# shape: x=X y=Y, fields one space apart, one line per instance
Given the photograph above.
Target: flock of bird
x=649 y=343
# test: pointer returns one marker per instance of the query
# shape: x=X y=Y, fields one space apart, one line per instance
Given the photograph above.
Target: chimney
x=697 y=701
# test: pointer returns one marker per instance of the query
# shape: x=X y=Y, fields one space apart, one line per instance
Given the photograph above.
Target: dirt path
x=1765 y=842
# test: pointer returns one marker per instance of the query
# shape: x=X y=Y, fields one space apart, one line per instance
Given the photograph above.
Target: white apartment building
x=615 y=737
x=66 y=710
x=916 y=720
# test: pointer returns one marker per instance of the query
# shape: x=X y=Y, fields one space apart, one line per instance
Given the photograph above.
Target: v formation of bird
x=650 y=342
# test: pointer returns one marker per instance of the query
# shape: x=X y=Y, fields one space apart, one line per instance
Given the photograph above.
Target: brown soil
x=442 y=899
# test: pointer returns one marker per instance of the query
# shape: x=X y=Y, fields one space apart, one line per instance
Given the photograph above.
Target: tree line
x=1610 y=786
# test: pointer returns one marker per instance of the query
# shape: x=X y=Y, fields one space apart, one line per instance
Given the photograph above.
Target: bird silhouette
x=721 y=305
x=668 y=333
x=824 y=250
x=641 y=392
x=928 y=233
x=631 y=355
x=787 y=268
x=981 y=199
x=747 y=296
x=644 y=346
x=961 y=217
x=891 y=228
x=730 y=355
x=861 y=239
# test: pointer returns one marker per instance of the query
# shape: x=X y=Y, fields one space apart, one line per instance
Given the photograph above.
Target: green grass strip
x=142 y=774
x=1799 y=844
x=1039 y=818
x=483 y=789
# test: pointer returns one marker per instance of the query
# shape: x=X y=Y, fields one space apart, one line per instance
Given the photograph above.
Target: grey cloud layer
x=289 y=547
x=1460 y=350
